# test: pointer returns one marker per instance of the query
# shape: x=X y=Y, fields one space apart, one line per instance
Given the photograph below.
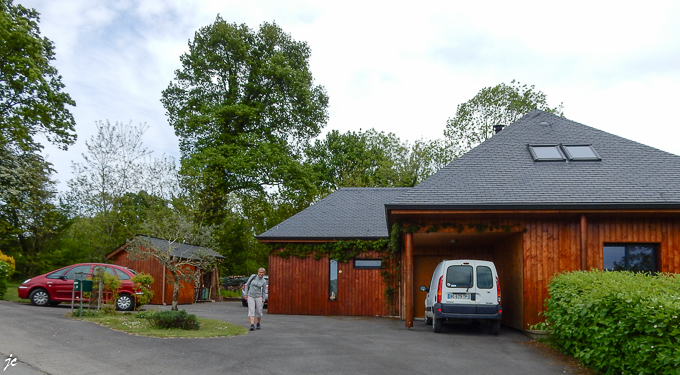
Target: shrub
x=4 y=275
x=143 y=283
x=10 y=261
x=617 y=322
x=174 y=319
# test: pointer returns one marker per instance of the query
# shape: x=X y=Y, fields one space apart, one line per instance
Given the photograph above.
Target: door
x=62 y=289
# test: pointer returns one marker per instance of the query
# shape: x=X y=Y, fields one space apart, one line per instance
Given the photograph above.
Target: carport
x=470 y=238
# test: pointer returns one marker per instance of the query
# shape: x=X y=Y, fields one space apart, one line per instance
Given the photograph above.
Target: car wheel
x=496 y=327
x=39 y=297
x=436 y=325
x=125 y=302
x=244 y=303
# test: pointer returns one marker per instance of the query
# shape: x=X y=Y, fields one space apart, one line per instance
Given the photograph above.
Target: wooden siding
x=527 y=248
x=154 y=268
x=300 y=286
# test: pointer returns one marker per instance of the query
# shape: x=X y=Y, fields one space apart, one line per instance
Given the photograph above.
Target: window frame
x=595 y=157
x=332 y=291
x=536 y=157
x=366 y=267
x=627 y=246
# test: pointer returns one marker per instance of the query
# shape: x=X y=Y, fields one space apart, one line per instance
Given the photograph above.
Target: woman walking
x=255 y=288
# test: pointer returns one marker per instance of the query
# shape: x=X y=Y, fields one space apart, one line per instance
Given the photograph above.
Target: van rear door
x=485 y=281
x=459 y=286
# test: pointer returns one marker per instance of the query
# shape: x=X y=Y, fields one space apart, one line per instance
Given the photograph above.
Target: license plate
x=459 y=296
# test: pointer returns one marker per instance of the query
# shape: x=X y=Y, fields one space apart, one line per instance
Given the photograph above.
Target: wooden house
x=205 y=288
x=544 y=195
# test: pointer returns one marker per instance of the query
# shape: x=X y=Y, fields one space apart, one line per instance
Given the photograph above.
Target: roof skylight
x=580 y=152
x=546 y=153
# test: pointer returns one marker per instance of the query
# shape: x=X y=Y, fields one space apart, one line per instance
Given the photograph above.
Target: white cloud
x=394 y=67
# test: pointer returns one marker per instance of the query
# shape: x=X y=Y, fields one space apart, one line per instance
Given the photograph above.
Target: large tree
x=31 y=97
x=499 y=105
x=370 y=159
x=244 y=106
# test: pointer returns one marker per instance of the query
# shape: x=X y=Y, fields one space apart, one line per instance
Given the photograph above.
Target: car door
x=62 y=289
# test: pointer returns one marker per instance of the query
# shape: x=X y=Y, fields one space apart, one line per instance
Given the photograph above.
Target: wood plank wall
x=553 y=246
x=542 y=247
x=300 y=286
x=154 y=268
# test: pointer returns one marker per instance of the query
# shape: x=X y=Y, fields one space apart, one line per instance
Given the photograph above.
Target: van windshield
x=459 y=277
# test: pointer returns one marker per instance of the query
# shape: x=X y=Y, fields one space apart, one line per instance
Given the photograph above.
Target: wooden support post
x=584 y=243
x=408 y=279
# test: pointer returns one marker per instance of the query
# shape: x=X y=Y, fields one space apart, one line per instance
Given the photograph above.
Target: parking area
x=44 y=341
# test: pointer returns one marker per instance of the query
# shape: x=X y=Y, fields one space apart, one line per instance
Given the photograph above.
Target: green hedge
x=617 y=322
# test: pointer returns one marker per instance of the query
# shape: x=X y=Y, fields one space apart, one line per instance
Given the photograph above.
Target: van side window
x=459 y=277
x=484 y=277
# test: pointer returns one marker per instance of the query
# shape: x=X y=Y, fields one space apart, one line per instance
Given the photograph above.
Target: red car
x=57 y=286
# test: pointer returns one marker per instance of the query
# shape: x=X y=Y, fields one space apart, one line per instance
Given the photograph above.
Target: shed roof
x=177 y=249
x=501 y=172
x=348 y=213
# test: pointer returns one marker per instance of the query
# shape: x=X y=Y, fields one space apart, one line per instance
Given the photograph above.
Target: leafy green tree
x=29 y=219
x=244 y=106
x=31 y=97
x=370 y=159
x=31 y=103
x=499 y=105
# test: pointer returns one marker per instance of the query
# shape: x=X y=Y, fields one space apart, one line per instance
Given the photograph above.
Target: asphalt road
x=44 y=341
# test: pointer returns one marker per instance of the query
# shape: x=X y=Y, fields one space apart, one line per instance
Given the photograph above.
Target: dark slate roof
x=348 y=213
x=501 y=173
x=181 y=250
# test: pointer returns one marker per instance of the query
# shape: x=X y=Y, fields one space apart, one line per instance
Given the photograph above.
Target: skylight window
x=580 y=152
x=546 y=153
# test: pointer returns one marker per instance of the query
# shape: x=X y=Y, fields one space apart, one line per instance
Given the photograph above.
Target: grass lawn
x=12 y=294
x=131 y=323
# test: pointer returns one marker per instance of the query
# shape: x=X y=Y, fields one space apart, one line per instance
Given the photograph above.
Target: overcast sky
x=396 y=67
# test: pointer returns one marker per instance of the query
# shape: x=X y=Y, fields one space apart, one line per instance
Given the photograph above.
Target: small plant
x=174 y=319
x=143 y=284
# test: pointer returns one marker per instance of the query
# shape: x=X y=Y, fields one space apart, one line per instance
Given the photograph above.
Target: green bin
x=82 y=285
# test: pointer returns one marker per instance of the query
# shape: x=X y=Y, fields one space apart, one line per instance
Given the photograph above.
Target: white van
x=463 y=290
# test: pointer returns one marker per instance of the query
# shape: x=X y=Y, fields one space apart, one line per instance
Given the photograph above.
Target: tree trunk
x=175 y=295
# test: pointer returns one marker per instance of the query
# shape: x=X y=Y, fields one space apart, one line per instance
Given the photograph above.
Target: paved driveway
x=44 y=341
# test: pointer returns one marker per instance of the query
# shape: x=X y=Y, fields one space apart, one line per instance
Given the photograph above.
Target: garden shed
x=543 y=195
x=205 y=288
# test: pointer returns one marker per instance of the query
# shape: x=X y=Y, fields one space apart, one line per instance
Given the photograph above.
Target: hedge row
x=617 y=322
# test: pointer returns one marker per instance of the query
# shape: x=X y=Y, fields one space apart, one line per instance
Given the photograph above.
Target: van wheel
x=436 y=325
x=496 y=327
x=428 y=320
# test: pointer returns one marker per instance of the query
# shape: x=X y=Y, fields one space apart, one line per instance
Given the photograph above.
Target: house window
x=367 y=264
x=580 y=152
x=333 y=281
x=630 y=257
x=546 y=153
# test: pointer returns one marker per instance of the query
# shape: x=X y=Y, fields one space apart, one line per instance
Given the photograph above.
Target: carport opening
x=504 y=249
